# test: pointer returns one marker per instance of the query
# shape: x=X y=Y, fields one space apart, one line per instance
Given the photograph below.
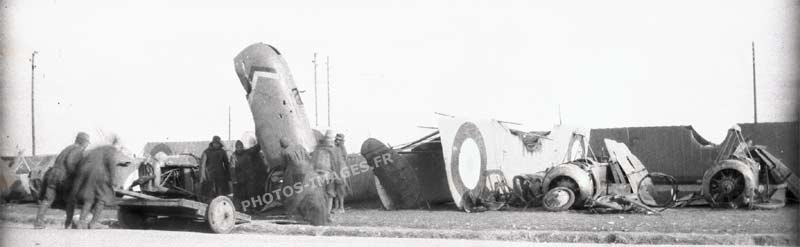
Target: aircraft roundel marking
x=468 y=159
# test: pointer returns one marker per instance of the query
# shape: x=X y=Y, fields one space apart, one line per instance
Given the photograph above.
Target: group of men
x=86 y=177
x=240 y=175
x=329 y=158
x=80 y=177
x=244 y=174
x=316 y=201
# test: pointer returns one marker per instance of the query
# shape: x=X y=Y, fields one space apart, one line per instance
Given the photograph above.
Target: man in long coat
x=214 y=170
x=57 y=180
x=341 y=186
x=247 y=171
x=94 y=184
x=327 y=159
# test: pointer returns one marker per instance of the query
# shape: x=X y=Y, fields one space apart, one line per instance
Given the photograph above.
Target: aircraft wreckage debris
x=556 y=170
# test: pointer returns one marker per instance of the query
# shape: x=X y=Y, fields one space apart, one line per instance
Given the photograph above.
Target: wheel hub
x=726 y=186
x=558 y=198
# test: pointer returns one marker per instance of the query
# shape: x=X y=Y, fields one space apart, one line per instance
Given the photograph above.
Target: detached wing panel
x=630 y=164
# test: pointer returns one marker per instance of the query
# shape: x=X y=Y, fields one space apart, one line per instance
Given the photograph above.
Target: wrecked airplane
x=279 y=114
x=470 y=163
x=746 y=175
x=732 y=174
x=474 y=170
x=620 y=184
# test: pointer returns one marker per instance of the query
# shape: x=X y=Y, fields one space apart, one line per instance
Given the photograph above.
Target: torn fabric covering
x=472 y=149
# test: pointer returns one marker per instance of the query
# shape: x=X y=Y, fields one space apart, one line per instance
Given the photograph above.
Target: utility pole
x=755 y=106
x=316 y=114
x=559 y=114
x=33 y=116
x=328 y=76
x=229 y=123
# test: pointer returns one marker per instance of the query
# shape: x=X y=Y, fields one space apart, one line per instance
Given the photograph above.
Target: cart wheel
x=221 y=214
x=559 y=199
x=130 y=219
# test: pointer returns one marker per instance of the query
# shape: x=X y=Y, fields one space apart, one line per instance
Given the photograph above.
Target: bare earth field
x=713 y=226
x=684 y=220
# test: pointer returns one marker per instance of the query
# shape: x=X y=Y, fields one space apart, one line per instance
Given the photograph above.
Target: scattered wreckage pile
x=556 y=170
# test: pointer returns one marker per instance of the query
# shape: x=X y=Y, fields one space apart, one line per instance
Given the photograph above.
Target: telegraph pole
x=328 y=76
x=559 y=114
x=229 y=123
x=33 y=116
x=755 y=106
x=316 y=114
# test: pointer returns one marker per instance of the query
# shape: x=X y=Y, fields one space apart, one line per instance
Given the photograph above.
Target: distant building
x=17 y=176
x=37 y=165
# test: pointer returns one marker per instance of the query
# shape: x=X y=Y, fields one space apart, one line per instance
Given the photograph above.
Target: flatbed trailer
x=220 y=213
x=179 y=200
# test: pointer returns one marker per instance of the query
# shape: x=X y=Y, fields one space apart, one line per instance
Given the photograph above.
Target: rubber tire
x=563 y=207
x=738 y=202
x=128 y=219
x=221 y=215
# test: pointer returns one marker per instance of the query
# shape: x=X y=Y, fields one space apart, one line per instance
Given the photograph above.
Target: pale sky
x=156 y=71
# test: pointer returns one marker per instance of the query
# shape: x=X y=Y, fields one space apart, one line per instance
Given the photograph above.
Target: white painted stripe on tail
x=259 y=74
x=254 y=80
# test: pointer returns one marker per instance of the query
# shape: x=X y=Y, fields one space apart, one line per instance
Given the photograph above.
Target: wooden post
x=755 y=105
x=316 y=114
x=328 y=76
x=33 y=104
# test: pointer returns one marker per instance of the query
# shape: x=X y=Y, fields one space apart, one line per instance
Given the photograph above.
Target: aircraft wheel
x=558 y=199
x=221 y=214
x=726 y=188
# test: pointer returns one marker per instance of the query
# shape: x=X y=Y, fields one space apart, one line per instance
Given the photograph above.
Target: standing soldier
x=247 y=167
x=340 y=144
x=326 y=159
x=58 y=179
x=238 y=170
x=343 y=187
x=214 y=173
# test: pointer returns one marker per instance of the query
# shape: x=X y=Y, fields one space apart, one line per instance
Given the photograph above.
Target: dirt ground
x=684 y=220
